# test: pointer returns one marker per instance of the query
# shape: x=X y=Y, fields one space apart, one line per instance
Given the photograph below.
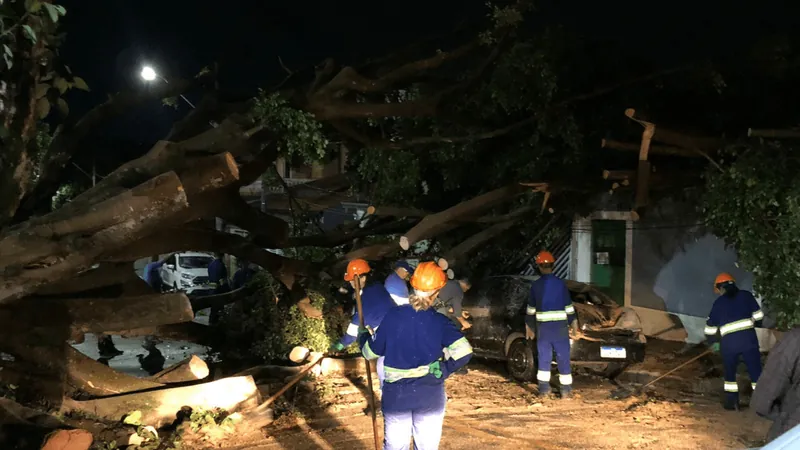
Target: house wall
x=672 y=262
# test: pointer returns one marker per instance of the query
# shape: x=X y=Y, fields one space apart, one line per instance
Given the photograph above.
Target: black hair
x=729 y=288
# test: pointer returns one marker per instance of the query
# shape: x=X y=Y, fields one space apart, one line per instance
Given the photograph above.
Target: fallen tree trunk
x=654 y=149
x=104 y=275
x=98 y=379
x=190 y=369
x=28 y=259
x=92 y=315
x=773 y=134
x=159 y=407
x=188 y=331
x=328 y=366
x=432 y=225
x=455 y=254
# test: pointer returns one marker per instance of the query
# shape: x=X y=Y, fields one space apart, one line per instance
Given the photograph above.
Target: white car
x=186 y=271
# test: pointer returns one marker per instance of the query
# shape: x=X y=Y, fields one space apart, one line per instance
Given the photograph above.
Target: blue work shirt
x=217 y=272
x=410 y=341
x=550 y=309
x=375 y=302
x=151 y=271
x=242 y=277
x=734 y=318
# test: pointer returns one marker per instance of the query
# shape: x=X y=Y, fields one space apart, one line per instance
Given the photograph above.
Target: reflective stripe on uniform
x=551 y=316
x=565 y=380
x=570 y=309
x=352 y=330
x=739 y=325
x=731 y=386
x=758 y=315
x=368 y=353
x=530 y=310
x=543 y=376
x=710 y=330
x=459 y=348
x=753 y=385
x=391 y=374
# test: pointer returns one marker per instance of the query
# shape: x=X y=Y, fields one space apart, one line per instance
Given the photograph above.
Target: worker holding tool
x=734 y=315
x=396 y=282
x=376 y=302
x=422 y=348
x=449 y=302
x=550 y=312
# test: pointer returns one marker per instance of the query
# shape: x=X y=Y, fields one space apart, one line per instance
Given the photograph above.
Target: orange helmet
x=428 y=276
x=545 y=257
x=723 y=278
x=356 y=267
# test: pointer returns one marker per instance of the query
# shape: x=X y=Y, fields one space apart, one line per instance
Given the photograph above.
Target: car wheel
x=521 y=360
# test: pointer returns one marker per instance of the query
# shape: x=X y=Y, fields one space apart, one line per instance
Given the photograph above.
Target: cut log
x=98 y=379
x=619 y=175
x=431 y=225
x=190 y=369
x=160 y=407
x=92 y=315
x=27 y=259
x=187 y=331
x=396 y=211
x=773 y=134
x=671 y=137
x=69 y=440
x=328 y=367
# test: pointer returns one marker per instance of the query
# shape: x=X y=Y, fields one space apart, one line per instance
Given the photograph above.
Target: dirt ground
x=487 y=409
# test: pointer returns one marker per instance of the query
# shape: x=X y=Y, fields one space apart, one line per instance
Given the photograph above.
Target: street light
x=149 y=74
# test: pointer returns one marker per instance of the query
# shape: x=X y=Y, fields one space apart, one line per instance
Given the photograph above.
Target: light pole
x=149 y=74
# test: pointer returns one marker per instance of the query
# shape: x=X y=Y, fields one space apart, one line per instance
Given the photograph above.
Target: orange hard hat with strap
x=428 y=276
x=545 y=257
x=356 y=267
x=724 y=277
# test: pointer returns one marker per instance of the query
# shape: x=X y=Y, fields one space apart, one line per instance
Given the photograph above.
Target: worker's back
x=414 y=339
x=551 y=298
x=777 y=396
x=734 y=316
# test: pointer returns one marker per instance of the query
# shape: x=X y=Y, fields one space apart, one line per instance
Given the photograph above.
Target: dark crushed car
x=610 y=339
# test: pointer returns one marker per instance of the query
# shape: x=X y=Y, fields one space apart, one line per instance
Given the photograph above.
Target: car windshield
x=194 y=262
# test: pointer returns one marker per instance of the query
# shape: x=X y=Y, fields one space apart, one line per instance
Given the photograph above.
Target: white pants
x=424 y=424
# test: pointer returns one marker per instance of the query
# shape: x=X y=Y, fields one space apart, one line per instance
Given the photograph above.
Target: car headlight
x=186 y=276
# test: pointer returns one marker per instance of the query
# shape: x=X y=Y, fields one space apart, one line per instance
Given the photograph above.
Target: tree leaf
x=41 y=90
x=69 y=71
x=61 y=84
x=52 y=12
x=61 y=10
x=9 y=61
x=63 y=107
x=7 y=50
x=42 y=108
x=133 y=418
x=33 y=6
x=79 y=83
x=29 y=33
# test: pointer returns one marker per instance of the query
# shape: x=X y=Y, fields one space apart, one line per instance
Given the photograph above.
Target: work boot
x=731 y=402
x=544 y=389
x=566 y=392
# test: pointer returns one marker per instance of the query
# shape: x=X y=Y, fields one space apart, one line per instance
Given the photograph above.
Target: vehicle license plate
x=613 y=352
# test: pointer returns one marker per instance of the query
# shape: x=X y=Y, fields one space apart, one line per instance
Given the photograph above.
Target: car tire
x=521 y=360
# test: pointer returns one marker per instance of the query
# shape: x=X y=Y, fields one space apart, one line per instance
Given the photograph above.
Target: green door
x=608 y=258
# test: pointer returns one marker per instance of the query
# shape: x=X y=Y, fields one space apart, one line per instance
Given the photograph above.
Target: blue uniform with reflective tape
x=550 y=313
x=413 y=396
x=218 y=275
x=734 y=317
x=375 y=303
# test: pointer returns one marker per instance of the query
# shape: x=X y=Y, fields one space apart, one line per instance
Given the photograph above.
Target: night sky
x=109 y=40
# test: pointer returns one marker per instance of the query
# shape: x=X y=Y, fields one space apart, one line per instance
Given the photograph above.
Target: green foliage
x=300 y=134
x=65 y=193
x=754 y=204
x=265 y=327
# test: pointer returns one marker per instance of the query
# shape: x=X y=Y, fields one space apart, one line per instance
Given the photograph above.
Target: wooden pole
x=369 y=368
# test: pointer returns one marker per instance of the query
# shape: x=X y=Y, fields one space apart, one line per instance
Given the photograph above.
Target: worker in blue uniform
x=218 y=279
x=550 y=313
x=375 y=302
x=733 y=317
x=396 y=282
x=422 y=348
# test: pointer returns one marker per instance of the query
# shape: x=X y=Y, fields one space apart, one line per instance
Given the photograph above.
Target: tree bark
x=654 y=149
x=457 y=253
x=98 y=379
x=93 y=315
x=29 y=252
x=107 y=274
x=773 y=134
x=186 y=331
x=159 y=407
x=431 y=225
x=190 y=369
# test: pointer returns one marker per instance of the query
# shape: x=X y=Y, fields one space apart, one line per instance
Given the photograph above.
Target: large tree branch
x=168 y=240
x=69 y=138
x=336 y=238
